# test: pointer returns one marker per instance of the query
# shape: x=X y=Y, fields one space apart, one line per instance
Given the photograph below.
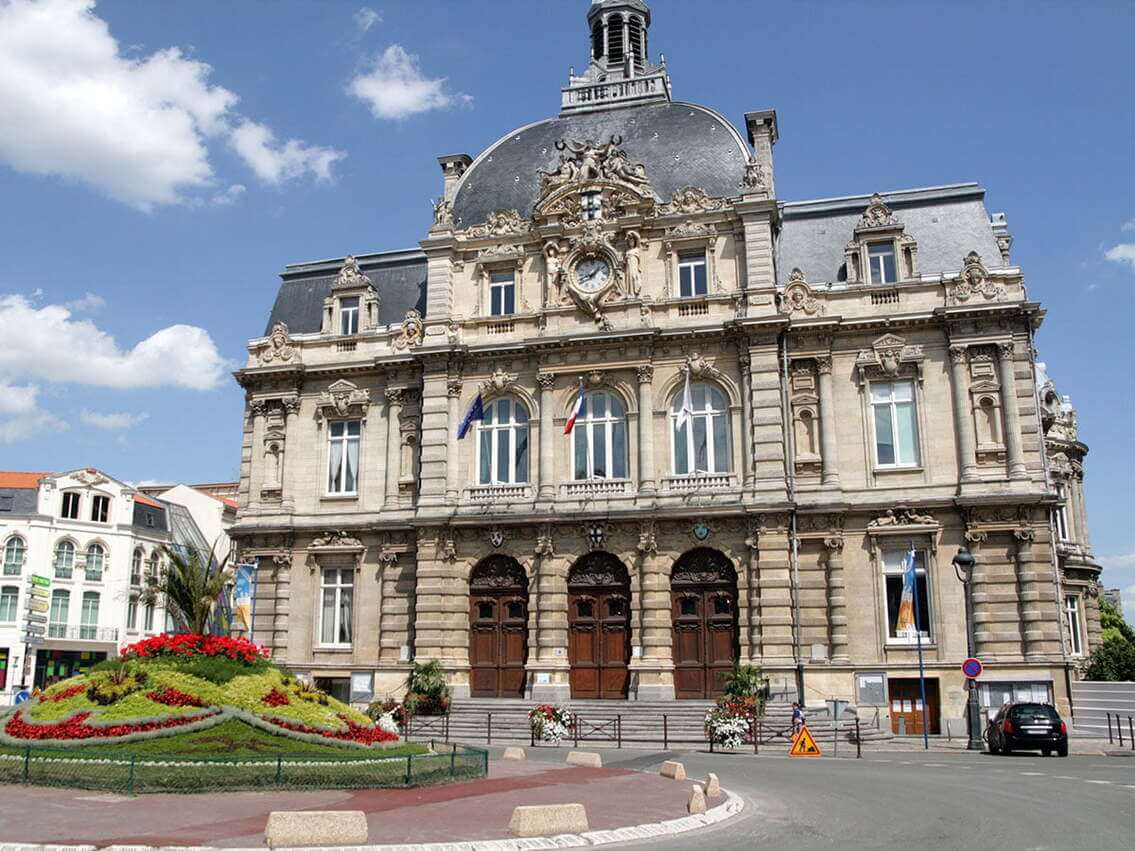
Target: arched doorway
x=599 y=627
x=498 y=627
x=703 y=600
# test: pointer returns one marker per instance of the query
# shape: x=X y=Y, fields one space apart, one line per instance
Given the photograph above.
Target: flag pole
x=921 y=668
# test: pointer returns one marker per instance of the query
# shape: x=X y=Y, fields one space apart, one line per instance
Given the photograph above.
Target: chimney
x=452 y=167
x=763 y=134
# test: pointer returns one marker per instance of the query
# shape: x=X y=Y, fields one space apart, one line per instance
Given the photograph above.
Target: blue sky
x=161 y=162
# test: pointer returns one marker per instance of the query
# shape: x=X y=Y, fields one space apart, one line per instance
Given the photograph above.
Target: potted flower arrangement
x=550 y=723
x=730 y=722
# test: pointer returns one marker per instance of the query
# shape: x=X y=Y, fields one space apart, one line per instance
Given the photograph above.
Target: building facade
x=784 y=399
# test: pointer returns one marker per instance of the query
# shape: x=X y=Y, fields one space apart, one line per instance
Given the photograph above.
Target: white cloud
x=229 y=197
x=365 y=18
x=75 y=104
x=89 y=303
x=274 y=163
x=21 y=416
x=394 y=87
x=1122 y=253
x=112 y=422
x=1128 y=226
x=47 y=343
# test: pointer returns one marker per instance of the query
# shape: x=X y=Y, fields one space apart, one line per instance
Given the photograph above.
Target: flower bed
x=550 y=723
x=186 y=646
x=173 y=697
x=730 y=722
x=76 y=727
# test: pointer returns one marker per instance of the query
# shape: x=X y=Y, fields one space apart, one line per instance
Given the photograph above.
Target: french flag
x=578 y=409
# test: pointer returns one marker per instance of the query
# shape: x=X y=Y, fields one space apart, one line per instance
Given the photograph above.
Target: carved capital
x=291 y=404
x=545 y=546
x=958 y=353
x=647 y=540
x=645 y=373
x=393 y=396
x=453 y=388
x=834 y=543
x=824 y=364
x=546 y=380
x=1005 y=350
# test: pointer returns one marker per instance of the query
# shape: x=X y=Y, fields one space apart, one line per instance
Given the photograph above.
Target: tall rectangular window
x=502 y=294
x=9 y=597
x=349 y=316
x=136 y=568
x=881 y=258
x=14 y=550
x=60 y=609
x=100 y=509
x=89 y=625
x=900 y=624
x=149 y=619
x=1075 y=633
x=591 y=206
x=132 y=614
x=70 y=506
x=895 y=421
x=343 y=457
x=692 y=281
x=337 y=586
x=1060 y=513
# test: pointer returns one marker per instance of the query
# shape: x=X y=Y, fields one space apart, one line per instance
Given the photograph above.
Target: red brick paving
x=461 y=811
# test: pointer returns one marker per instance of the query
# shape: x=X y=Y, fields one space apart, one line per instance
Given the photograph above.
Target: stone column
x=745 y=364
x=828 y=442
x=1079 y=525
x=775 y=582
x=280 y=650
x=1041 y=633
x=963 y=415
x=1013 y=442
x=548 y=653
x=291 y=428
x=452 y=451
x=656 y=670
x=837 y=599
x=546 y=467
x=646 y=472
x=752 y=543
x=393 y=445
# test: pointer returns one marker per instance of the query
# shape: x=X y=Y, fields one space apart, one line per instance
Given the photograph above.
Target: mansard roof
x=399 y=277
x=947 y=221
x=681 y=144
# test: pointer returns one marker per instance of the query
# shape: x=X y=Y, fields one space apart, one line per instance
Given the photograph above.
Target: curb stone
x=732 y=805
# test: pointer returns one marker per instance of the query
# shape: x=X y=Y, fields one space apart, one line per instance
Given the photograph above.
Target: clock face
x=592 y=274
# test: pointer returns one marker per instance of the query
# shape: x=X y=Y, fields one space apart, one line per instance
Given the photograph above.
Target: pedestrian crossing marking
x=803 y=744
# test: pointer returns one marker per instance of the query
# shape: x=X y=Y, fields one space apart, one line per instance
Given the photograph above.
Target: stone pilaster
x=393 y=446
x=646 y=472
x=282 y=589
x=774 y=570
x=548 y=643
x=963 y=415
x=812 y=597
x=1013 y=437
x=1040 y=622
x=996 y=616
x=837 y=600
x=656 y=667
x=441 y=608
x=545 y=473
x=745 y=363
x=434 y=428
x=452 y=446
x=828 y=441
x=752 y=545
x=291 y=463
x=396 y=613
x=769 y=451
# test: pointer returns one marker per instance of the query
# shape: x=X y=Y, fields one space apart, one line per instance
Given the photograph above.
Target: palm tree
x=190 y=586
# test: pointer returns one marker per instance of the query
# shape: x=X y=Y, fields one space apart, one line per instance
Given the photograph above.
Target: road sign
x=37 y=605
x=32 y=617
x=35 y=629
x=803 y=744
x=34 y=640
x=972 y=668
x=23 y=697
x=41 y=581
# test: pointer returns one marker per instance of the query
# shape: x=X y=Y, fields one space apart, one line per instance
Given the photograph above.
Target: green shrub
x=217 y=669
x=426 y=691
x=746 y=684
x=107 y=687
x=1113 y=660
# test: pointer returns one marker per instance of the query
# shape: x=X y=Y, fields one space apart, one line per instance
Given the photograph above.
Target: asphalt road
x=911 y=800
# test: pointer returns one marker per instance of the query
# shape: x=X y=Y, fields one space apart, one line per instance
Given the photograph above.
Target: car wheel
x=1062 y=750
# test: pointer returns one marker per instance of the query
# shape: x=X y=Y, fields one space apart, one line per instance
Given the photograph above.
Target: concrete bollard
x=313 y=827
x=673 y=770
x=548 y=820
x=697 y=801
x=586 y=759
x=514 y=753
x=712 y=786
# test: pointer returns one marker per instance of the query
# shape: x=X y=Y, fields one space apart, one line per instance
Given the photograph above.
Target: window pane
x=884 y=439
x=521 y=455
x=701 y=448
x=350 y=473
x=881 y=391
x=619 y=450
x=681 y=452
x=497 y=301
x=720 y=444
x=337 y=429
x=504 y=410
x=485 y=475
x=519 y=413
x=581 y=445
x=700 y=287
x=597 y=405
x=345 y=616
x=922 y=614
x=334 y=467
x=504 y=437
x=510 y=299
x=903 y=391
x=697 y=394
x=685 y=277
x=907 y=434
x=354 y=428
x=894 y=598
x=327 y=626
x=599 y=462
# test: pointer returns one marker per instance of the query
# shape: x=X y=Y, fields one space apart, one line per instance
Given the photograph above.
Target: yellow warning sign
x=803 y=744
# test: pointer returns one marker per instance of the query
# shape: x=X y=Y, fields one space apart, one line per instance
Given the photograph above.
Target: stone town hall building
x=862 y=378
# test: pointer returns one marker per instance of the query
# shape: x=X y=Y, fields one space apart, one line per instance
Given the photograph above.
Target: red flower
x=70 y=691
x=188 y=645
x=173 y=697
x=355 y=732
x=76 y=727
x=275 y=698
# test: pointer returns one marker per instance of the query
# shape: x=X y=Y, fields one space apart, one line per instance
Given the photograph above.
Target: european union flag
x=476 y=412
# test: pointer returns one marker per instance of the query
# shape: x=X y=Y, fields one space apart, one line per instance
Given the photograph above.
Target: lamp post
x=963 y=566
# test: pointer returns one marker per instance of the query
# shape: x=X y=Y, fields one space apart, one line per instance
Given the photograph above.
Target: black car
x=1027 y=727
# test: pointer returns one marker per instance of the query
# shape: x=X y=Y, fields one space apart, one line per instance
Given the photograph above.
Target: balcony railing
x=81 y=633
x=505 y=493
x=596 y=487
x=699 y=482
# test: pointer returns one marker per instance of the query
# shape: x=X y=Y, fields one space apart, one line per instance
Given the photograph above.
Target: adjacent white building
x=95 y=539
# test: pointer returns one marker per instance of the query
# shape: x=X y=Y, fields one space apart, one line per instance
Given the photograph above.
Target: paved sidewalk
x=477 y=810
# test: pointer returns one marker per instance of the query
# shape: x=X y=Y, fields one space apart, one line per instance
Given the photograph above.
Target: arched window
x=597 y=40
x=64 y=559
x=502 y=444
x=96 y=560
x=700 y=439
x=14 y=551
x=152 y=564
x=136 y=567
x=599 y=439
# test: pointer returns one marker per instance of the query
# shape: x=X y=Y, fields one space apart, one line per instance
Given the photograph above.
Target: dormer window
x=881 y=257
x=349 y=316
x=692 y=278
x=100 y=509
x=591 y=206
x=70 y=506
x=502 y=294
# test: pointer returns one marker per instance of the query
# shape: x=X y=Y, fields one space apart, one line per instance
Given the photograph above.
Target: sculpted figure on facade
x=691 y=199
x=633 y=260
x=351 y=276
x=798 y=297
x=279 y=346
x=588 y=161
x=413 y=331
x=443 y=213
x=500 y=223
x=877 y=214
x=974 y=281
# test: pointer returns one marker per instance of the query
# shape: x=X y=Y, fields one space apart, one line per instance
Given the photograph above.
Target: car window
x=1034 y=713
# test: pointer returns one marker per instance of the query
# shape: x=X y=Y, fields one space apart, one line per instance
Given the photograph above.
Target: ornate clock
x=591 y=275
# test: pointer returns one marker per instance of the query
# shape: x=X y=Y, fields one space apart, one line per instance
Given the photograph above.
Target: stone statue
x=634 y=264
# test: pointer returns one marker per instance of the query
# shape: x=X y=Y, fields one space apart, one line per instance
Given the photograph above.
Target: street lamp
x=963 y=566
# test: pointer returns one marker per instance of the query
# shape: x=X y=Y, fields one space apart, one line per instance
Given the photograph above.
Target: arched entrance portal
x=498 y=627
x=703 y=600
x=599 y=627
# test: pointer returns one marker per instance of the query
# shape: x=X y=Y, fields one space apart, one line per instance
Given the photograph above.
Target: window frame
x=15 y=555
x=132 y=613
x=78 y=505
x=337 y=588
x=136 y=562
x=345 y=439
x=690 y=261
x=100 y=500
x=503 y=282
x=892 y=404
x=708 y=413
x=350 y=311
x=148 y=618
x=921 y=575
x=1060 y=513
x=12 y=593
x=491 y=424
x=101 y=561
x=892 y=252
x=89 y=631
x=57 y=627
x=591 y=206
x=1073 y=611
x=608 y=423
x=70 y=569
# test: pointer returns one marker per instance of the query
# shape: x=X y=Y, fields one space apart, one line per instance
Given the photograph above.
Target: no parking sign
x=972 y=668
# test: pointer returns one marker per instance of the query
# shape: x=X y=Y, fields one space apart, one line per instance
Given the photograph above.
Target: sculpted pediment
x=589 y=168
x=342 y=399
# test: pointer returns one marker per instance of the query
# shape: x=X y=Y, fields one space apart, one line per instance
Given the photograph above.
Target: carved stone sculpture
x=691 y=199
x=279 y=346
x=798 y=296
x=633 y=260
x=877 y=214
x=413 y=331
x=351 y=276
x=974 y=281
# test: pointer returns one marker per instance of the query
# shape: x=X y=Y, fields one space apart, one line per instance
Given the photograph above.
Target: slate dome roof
x=681 y=144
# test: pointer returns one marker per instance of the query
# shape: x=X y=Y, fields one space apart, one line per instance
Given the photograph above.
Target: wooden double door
x=703 y=599
x=599 y=627
x=498 y=628
x=907 y=716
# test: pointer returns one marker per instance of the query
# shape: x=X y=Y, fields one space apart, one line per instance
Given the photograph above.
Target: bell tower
x=619 y=71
